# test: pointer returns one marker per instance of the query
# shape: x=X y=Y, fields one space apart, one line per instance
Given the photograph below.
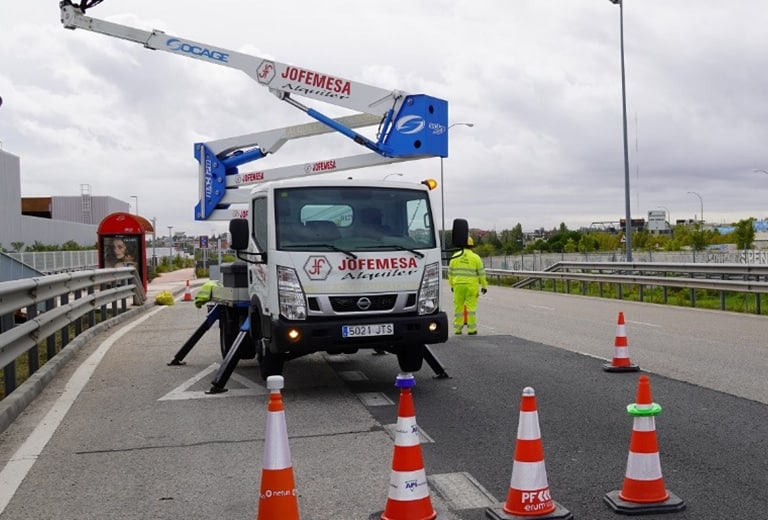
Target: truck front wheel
x=270 y=364
x=410 y=358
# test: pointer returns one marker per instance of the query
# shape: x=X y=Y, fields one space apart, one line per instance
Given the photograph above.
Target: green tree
x=18 y=247
x=744 y=234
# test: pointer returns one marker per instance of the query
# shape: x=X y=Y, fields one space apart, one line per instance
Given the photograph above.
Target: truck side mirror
x=459 y=232
x=238 y=230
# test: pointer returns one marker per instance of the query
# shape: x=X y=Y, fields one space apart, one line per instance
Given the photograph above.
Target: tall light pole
x=627 y=213
x=154 y=242
x=701 y=202
x=137 y=203
x=170 y=244
x=442 y=186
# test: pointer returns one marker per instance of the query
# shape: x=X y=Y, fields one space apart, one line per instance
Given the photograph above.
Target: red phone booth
x=122 y=242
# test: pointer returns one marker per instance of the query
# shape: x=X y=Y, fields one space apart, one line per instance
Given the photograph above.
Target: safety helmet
x=470 y=242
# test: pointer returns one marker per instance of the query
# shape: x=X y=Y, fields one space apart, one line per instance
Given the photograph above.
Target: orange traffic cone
x=408 y=497
x=529 y=495
x=621 y=362
x=187 y=294
x=643 y=491
x=277 y=498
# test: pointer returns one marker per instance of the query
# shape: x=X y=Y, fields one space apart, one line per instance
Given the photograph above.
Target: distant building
x=50 y=220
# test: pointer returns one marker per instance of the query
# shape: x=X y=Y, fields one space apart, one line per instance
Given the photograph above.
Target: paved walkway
x=175 y=282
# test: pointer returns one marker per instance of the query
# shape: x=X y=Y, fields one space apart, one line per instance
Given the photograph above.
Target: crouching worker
x=205 y=293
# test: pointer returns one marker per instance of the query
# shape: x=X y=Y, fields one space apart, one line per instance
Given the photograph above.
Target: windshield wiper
x=397 y=247
x=328 y=246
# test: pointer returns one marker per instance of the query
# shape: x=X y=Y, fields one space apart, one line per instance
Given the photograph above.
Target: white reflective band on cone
x=529 y=476
x=644 y=424
x=528 y=427
x=621 y=330
x=277 y=453
x=643 y=466
x=408 y=485
x=406 y=432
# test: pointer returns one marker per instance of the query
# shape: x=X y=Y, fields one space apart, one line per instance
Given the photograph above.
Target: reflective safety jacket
x=466 y=267
x=205 y=293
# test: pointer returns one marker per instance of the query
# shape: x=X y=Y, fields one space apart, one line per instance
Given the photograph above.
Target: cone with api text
x=277 y=495
x=529 y=495
x=408 y=497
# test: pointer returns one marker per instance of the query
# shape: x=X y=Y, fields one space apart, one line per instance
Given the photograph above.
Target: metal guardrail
x=721 y=278
x=52 y=309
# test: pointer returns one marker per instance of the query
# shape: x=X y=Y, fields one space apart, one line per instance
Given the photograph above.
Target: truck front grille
x=379 y=302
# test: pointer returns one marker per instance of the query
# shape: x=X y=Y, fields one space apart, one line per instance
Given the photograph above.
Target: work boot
x=472 y=333
x=457 y=332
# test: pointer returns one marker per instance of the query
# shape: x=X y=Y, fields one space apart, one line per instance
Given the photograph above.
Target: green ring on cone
x=632 y=409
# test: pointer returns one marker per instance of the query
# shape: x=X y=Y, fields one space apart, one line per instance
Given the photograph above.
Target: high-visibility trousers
x=465 y=295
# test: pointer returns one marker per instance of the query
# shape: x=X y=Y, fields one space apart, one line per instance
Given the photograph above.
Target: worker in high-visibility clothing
x=466 y=275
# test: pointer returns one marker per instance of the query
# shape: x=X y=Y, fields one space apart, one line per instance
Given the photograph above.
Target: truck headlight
x=429 y=291
x=290 y=295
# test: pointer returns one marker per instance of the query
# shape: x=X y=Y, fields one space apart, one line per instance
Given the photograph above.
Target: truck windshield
x=353 y=218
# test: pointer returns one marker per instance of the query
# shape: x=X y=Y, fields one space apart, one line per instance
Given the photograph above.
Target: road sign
x=203 y=241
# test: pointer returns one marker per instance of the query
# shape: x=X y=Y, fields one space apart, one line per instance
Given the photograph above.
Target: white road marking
x=644 y=323
x=542 y=307
x=183 y=392
x=15 y=471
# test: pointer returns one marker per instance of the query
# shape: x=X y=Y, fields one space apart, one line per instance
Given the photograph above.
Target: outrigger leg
x=230 y=360
x=435 y=364
x=210 y=319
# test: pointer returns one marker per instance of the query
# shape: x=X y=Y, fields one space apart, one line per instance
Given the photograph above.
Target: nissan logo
x=363 y=304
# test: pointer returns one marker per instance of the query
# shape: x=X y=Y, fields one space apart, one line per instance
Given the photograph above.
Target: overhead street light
x=628 y=216
x=442 y=187
x=170 y=244
x=701 y=202
x=760 y=171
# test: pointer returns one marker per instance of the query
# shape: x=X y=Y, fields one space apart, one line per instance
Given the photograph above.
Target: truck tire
x=270 y=364
x=410 y=358
x=229 y=327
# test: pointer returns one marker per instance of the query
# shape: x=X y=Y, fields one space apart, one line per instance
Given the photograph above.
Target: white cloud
x=540 y=80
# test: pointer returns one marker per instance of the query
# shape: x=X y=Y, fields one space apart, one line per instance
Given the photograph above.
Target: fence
x=604 y=277
x=41 y=316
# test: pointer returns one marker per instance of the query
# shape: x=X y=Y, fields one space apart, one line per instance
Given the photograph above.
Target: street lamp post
x=442 y=188
x=628 y=216
x=137 y=203
x=154 y=242
x=170 y=244
x=701 y=202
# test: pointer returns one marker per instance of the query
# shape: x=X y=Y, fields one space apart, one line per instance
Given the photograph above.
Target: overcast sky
x=539 y=79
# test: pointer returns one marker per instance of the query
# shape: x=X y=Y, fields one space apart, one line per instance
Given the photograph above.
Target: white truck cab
x=341 y=265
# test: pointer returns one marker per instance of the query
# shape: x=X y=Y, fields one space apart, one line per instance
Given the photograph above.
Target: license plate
x=359 y=331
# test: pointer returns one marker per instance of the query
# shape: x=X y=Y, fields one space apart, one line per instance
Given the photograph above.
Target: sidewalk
x=174 y=281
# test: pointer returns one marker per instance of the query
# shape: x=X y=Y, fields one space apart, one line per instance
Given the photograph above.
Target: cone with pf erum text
x=643 y=492
x=529 y=495
x=408 y=497
x=187 y=293
x=278 y=495
x=621 y=361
